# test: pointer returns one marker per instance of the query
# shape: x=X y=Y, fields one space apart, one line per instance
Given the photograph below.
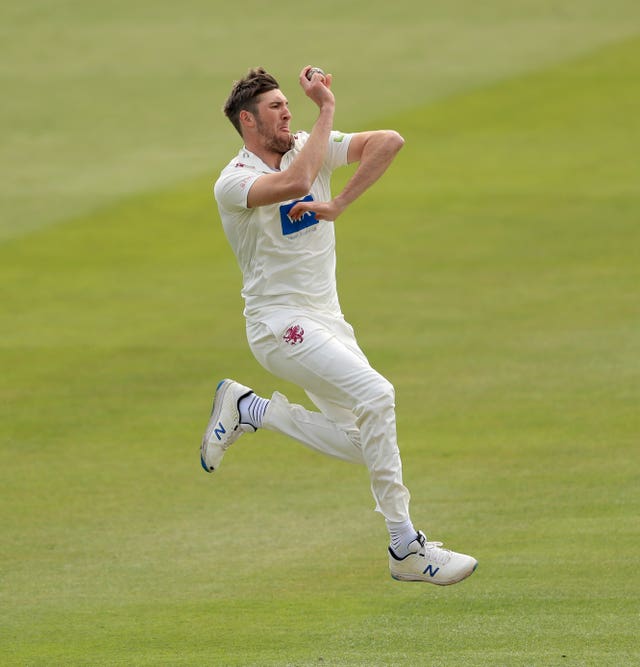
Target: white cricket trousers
x=356 y=422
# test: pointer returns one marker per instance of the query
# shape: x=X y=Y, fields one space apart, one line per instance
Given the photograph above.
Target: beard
x=274 y=142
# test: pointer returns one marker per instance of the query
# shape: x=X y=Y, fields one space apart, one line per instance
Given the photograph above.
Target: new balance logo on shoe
x=223 y=427
x=428 y=561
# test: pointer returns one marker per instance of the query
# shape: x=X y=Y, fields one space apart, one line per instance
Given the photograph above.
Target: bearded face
x=272 y=118
x=276 y=139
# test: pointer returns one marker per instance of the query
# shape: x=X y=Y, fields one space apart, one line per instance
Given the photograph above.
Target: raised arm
x=374 y=151
x=296 y=180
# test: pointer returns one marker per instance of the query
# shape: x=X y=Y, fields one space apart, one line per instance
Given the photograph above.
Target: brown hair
x=245 y=92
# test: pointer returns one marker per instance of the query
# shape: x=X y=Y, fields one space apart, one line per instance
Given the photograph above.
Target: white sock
x=401 y=533
x=252 y=409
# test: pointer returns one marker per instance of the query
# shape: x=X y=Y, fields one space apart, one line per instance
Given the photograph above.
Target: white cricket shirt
x=285 y=263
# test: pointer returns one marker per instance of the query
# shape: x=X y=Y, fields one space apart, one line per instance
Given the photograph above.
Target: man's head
x=245 y=95
x=260 y=113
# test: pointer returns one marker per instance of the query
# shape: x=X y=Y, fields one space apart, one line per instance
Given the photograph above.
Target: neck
x=270 y=157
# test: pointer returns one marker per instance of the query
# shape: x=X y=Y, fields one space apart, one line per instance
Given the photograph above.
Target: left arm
x=374 y=151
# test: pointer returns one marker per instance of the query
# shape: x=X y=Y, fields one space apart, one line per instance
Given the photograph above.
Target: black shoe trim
x=393 y=555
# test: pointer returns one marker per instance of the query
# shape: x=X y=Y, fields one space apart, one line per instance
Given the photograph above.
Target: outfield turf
x=493 y=275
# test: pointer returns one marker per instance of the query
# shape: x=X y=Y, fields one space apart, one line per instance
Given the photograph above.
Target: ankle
x=401 y=535
x=252 y=408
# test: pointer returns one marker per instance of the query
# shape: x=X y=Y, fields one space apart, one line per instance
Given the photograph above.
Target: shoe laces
x=433 y=551
x=237 y=432
x=436 y=554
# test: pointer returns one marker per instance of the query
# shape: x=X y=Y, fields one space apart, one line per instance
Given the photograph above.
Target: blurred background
x=492 y=275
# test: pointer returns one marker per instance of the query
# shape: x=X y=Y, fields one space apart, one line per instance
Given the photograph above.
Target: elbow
x=387 y=142
x=395 y=140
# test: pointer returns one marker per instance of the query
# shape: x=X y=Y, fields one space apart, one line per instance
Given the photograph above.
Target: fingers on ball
x=314 y=70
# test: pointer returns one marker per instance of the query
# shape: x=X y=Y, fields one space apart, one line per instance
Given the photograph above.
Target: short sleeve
x=338 y=149
x=233 y=186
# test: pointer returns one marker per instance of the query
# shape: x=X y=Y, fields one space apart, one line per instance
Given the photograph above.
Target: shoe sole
x=400 y=577
x=216 y=400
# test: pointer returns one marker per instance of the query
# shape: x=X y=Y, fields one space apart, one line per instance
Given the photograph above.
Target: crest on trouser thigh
x=294 y=335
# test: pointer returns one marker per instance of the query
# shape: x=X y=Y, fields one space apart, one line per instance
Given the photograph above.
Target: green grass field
x=493 y=275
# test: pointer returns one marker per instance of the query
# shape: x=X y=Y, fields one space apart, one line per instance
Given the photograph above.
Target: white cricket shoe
x=224 y=426
x=428 y=562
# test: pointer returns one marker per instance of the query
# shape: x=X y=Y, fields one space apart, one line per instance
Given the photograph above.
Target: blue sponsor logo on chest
x=290 y=226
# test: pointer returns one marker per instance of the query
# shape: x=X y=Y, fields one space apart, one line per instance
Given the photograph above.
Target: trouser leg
x=330 y=366
x=312 y=429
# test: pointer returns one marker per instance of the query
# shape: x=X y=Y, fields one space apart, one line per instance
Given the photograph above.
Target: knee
x=379 y=396
x=387 y=392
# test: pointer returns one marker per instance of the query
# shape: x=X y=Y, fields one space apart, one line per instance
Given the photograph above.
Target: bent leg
x=329 y=365
x=312 y=429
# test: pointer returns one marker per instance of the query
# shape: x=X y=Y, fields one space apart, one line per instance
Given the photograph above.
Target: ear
x=247 y=118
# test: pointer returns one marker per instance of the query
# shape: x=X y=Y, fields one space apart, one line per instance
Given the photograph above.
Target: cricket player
x=278 y=214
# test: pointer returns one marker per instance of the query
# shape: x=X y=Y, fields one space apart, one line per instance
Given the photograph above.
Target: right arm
x=297 y=179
